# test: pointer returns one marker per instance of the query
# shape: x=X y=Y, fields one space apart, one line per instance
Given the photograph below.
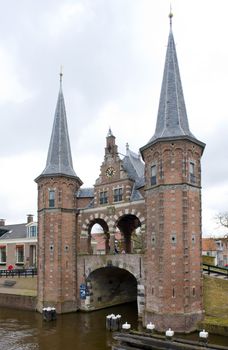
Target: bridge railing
x=215 y=269
x=18 y=273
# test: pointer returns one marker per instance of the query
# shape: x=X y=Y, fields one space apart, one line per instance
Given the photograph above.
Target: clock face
x=110 y=172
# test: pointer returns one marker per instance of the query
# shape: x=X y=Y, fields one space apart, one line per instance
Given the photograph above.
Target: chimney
x=2 y=222
x=29 y=218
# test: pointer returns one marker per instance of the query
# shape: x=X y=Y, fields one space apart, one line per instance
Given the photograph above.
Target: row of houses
x=217 y=249
x=18 y=245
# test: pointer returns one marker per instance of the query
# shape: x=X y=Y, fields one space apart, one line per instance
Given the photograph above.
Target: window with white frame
x=32 y=231
x=2 y=254
x=118 y=194
x=19 y=254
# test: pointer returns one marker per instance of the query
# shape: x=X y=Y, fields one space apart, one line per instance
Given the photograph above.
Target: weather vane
x=61 y=74
x=170 y=16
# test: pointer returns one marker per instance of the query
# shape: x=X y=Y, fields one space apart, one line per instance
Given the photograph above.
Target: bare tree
x=222 y=218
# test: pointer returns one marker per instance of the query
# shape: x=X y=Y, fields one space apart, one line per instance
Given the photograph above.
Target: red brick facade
x=56 y=244
x=173 y=230
x=156 y=208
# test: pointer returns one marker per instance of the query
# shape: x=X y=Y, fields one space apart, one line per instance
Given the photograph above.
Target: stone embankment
x=18 y=292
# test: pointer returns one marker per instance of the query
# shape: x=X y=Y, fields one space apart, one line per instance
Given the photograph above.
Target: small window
x=118 y=194
x=192 y=172
x=19 y=254
x=33 y=231
x=51 y=199
x=103 y=197
x=2 y=254
x=153 y=175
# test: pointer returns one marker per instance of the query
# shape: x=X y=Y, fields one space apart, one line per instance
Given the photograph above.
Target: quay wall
x=21 y=302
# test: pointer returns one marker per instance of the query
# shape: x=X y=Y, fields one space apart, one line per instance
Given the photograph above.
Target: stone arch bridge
x=110 y=280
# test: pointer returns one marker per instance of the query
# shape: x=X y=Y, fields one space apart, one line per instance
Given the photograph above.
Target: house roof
x=14 y=231
x=208 y=244
x=85 y=193
x=134 y=167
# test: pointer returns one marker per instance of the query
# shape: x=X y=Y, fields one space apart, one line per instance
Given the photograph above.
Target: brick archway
x=128 y=221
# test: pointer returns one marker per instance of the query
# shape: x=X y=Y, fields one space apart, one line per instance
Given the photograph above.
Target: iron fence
x=18 y=273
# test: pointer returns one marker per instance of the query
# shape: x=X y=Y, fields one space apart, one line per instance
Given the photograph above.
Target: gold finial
x=61 y=74
x=170 y=16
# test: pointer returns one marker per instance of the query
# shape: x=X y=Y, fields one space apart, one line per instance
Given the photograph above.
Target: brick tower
x=173 y=293
x=57 y=204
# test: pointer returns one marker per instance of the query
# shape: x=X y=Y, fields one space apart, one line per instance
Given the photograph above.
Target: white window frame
x=22 y=261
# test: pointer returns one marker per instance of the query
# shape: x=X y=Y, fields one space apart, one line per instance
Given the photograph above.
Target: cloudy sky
x=113 y=53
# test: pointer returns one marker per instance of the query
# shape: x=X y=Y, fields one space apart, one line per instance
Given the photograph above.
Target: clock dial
x=110 y=172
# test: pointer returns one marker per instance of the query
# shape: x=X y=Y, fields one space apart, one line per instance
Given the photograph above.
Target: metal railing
x=18 y=273
x=215 y=270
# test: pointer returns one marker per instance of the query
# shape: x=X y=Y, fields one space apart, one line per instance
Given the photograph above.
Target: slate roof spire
x=59 y=159
x=172 y=120
x=109 y=132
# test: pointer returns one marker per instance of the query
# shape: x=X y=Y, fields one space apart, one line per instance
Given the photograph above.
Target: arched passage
x=111 y=286
x=128 y=224
x=100 y=237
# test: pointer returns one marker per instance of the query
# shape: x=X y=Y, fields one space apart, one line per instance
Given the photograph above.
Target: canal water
x=25 y=330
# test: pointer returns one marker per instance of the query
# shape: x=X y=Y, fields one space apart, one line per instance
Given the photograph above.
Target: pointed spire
x=109 y=132
x=61 y=76
x=170 y=17
x=59 y=160
x=172 y=120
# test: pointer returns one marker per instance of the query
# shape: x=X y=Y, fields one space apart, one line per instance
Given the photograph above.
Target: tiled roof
x=14 y=231
x=135 y=194
x=59 y=160
x=85 y=193
x=133 y=165
x=172 y=120
x=208 y=244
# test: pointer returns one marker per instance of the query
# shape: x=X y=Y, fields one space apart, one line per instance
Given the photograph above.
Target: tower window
x=153 y=175
x=118 y=194
x=192 y=172
x=103 y=197
x=51 y=199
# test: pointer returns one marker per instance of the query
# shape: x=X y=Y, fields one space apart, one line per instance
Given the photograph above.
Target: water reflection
x=24 y=330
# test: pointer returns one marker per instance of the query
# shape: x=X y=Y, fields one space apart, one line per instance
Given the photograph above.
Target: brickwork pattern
x=173 y=235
